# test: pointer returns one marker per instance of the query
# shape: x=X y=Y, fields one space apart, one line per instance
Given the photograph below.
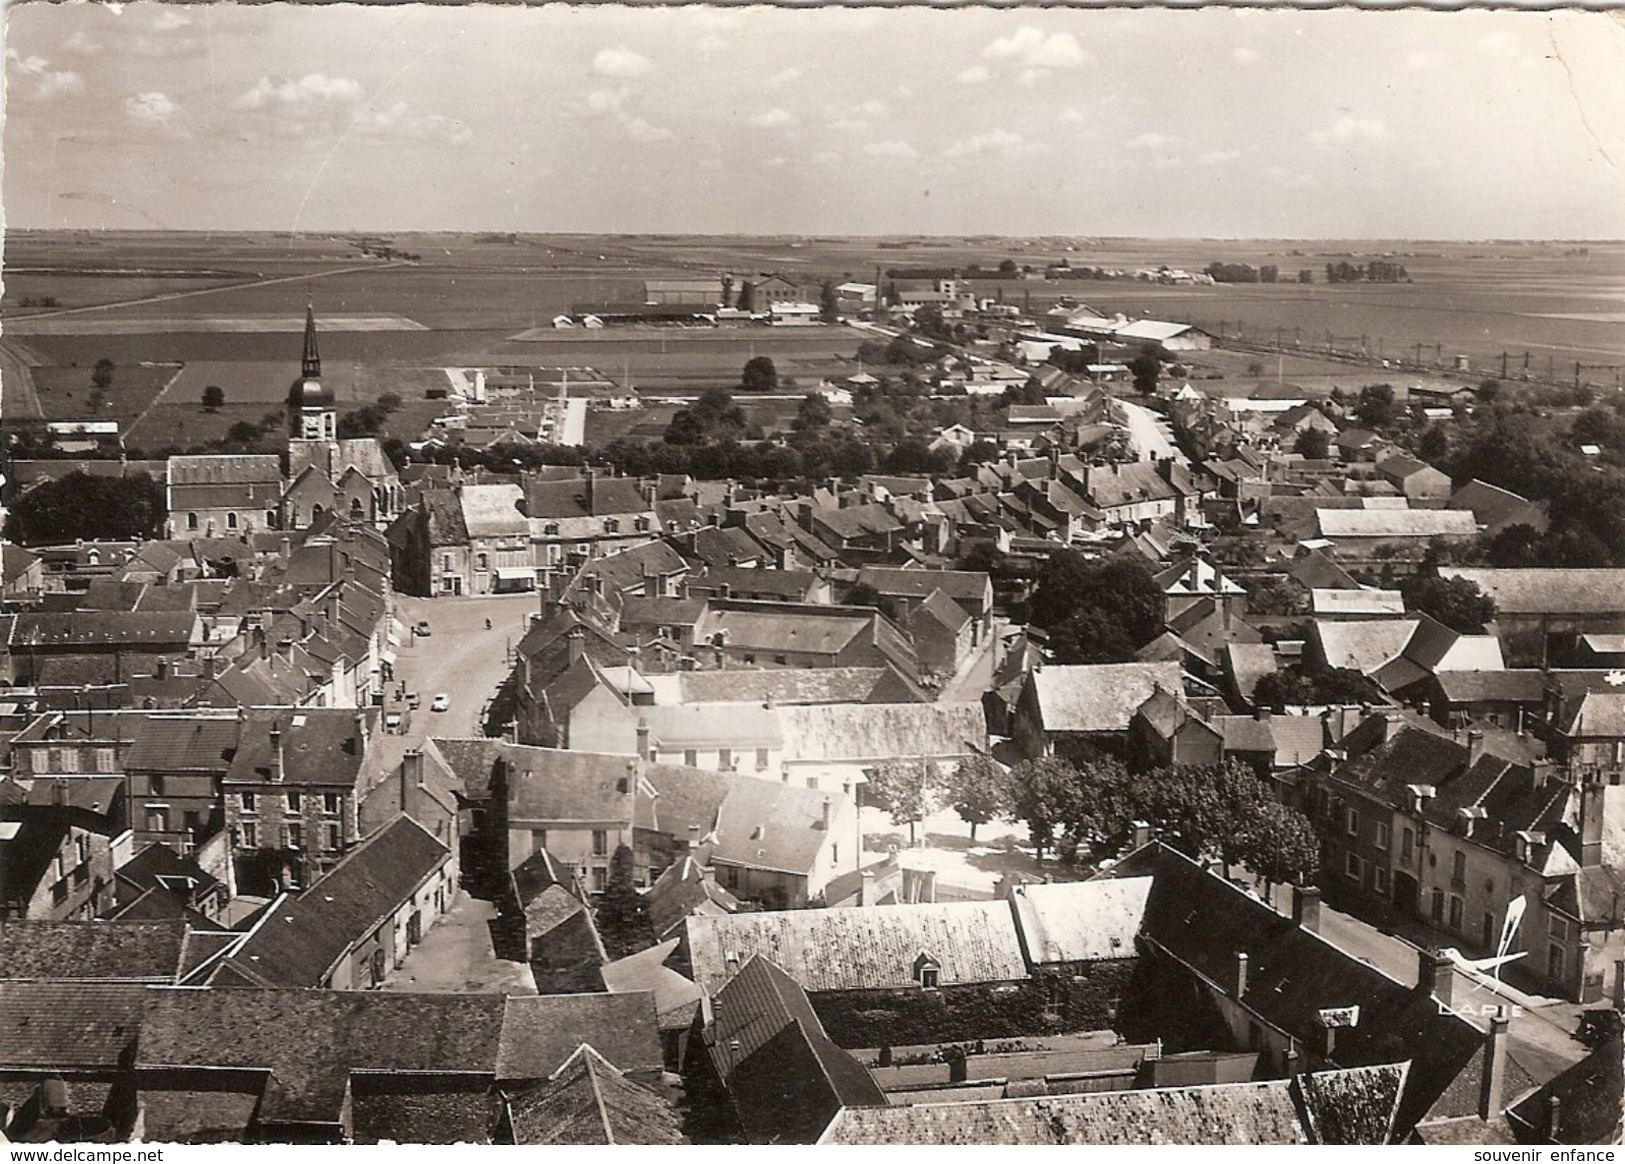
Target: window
x=296 y=836
x=157 y=818
x=725 y=758
x=730 y=876
x=251 y=835
x=761 y=759
x=929 y=976
x=482 y=561
x=1438 y=905
x=1353 y=822
x=191 y=521
x=750 y=660
x=691 y=757
x=81 y=847
x=1382 y=836
x=445 y=561
x=231 y=521
x=330 y=803
x=293 y=801
x=1407 y=845
x=1379 y=879
x=247 y=801
x=335 y=837
x=600 y=843
x=835 y=854
x=1557 y=928
x=1352 y=866
x=1554 y=963
x=781 y=660
x=270 y=519
x=1052 y=999
x=1455 y=912
x=612 y=525
x=1458 y=868
x=600 y=879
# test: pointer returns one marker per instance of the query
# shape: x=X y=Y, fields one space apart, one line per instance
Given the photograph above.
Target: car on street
x=414 y=700
x=392 y=723
x=422 y=628
x=442 y=702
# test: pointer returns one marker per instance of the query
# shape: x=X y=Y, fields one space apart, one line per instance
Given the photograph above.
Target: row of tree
x=1086 y=809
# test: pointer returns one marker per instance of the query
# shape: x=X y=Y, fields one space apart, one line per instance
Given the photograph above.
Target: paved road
x=976 y=675
x=455 y=957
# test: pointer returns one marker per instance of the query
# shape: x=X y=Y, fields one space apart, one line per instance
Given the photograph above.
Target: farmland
x=224 y=308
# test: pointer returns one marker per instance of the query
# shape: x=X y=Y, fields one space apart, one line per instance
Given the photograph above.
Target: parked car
x=414 y=700
x=442 y=702
x=422 y=628
x=392 y=723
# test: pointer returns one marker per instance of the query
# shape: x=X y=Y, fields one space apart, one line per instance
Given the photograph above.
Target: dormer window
x=927 y=972
x=551 y=529
x=612 y=525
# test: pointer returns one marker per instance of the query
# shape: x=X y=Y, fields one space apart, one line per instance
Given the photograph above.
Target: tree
x=389 y=401
x=1008 y=268
x=1434 y=443
x=829 y=303
x=907 y=789
x=1489 y=391
x=102 y=374
x=1313 y=444
x=1456 y=602
x=622 y=915
x=1096 y=611
x=214 y=397
x=861 y=594
x=243 y=433
x=93 y=508
x=1375 y=407
x=759 y=375
x=812 y=416
x=1290 y=687
x=1043 y=797
x=979 y=789
x=1146 y=369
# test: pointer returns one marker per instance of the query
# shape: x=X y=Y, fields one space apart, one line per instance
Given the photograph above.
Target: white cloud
x=875 y=108
x=1148 y=141
x=787 y=76
x=398 y=122
x=311 y=89
x=1071 y=116
x=1423 y=59
x=169 y=20
x=621 y=62
x=974 y=75
x=1031 y=47
x=1348 y=130
x=80 y=42
x=640 y=130
x=1031 y=77
x=774 y=119
x=891 y=149
x=1218 y=157
x=150 y=108
x=607 y=100
x=849 y=125
x=43 y=82
x=997 y=141
x=1246 y=56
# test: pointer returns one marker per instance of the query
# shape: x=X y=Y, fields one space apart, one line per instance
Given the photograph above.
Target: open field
x=473 y=297
x=64 y=393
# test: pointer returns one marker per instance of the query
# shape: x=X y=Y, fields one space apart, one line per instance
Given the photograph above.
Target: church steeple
x=311 y=366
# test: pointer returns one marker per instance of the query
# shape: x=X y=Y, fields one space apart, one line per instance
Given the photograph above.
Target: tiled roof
x=236 y=469
x=316 y=746
x=94 y=629
x=300 y=940
x=61 y=1026
x=1330 y=603
x=768 y=825
x=708 y=725
x=1492 y=506
x=540 y=1033
x=93 y=951
x=1476 y=686
x=1548 y=591
x=1363 y=645
x=590 y=1101
x=1395 y=523
x=945 y=611
x=676 y=998
x=552 y=785
x=1100 y=697
x=761 y=627
x=183 y=743
x=967 y=587
x=584 y=497
x=882 y=731
x=493 y=510
x=864 y=948
x=1276 y=1111
x=1250 y=662
x=782 y=686
x=1084 y=921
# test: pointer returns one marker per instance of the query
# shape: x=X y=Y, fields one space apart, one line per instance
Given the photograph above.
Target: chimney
x=276 y=751
x=1554 y=1117
x=1262 y=714
x=643 y=739
x=1540 y=771
x=577 y=639
x=211 y=666
x=1591 y=822
x=1289 y=1060
x=1475 y=747
x=1306 y=907
x=1142 y=834
x=1492 y=1091
x=1241 y=974
x=693 y=837
x=827 y=813
x=866 y=887
x=161 y=668
x=708 y=873
x=1436 y=975
x=1619 y=984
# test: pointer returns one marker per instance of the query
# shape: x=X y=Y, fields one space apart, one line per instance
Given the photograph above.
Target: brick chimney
x=1435 y=974
x=1492 y=1088
x=1592 y=793
x=276 y=751
x=1142 y=834
x=643 y=739
x=866 y=887
x=828 y=808
x=1241 y=973
x=1475 y=747
x=577 y=638
x=411 y=774
x=1306 y=907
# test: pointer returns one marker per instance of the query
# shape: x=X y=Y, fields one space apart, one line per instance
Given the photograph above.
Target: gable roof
x=1099 y=697
x=1541 y=591
x=1084 y=921
x=183 y=744
x=1395 y=523
x=882 y=731
x=1338 y=1107
x=785 y=685
x=61 y=1026
x=966 y=587
x=541 y=1032
x=301 y=938
x=767 y=825
x=862 y=948
x=590 y=1101
x=677 y=999
x=314 y=746
x=105 y=951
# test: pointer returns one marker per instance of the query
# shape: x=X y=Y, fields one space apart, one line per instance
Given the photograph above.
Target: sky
x=1169 y=123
